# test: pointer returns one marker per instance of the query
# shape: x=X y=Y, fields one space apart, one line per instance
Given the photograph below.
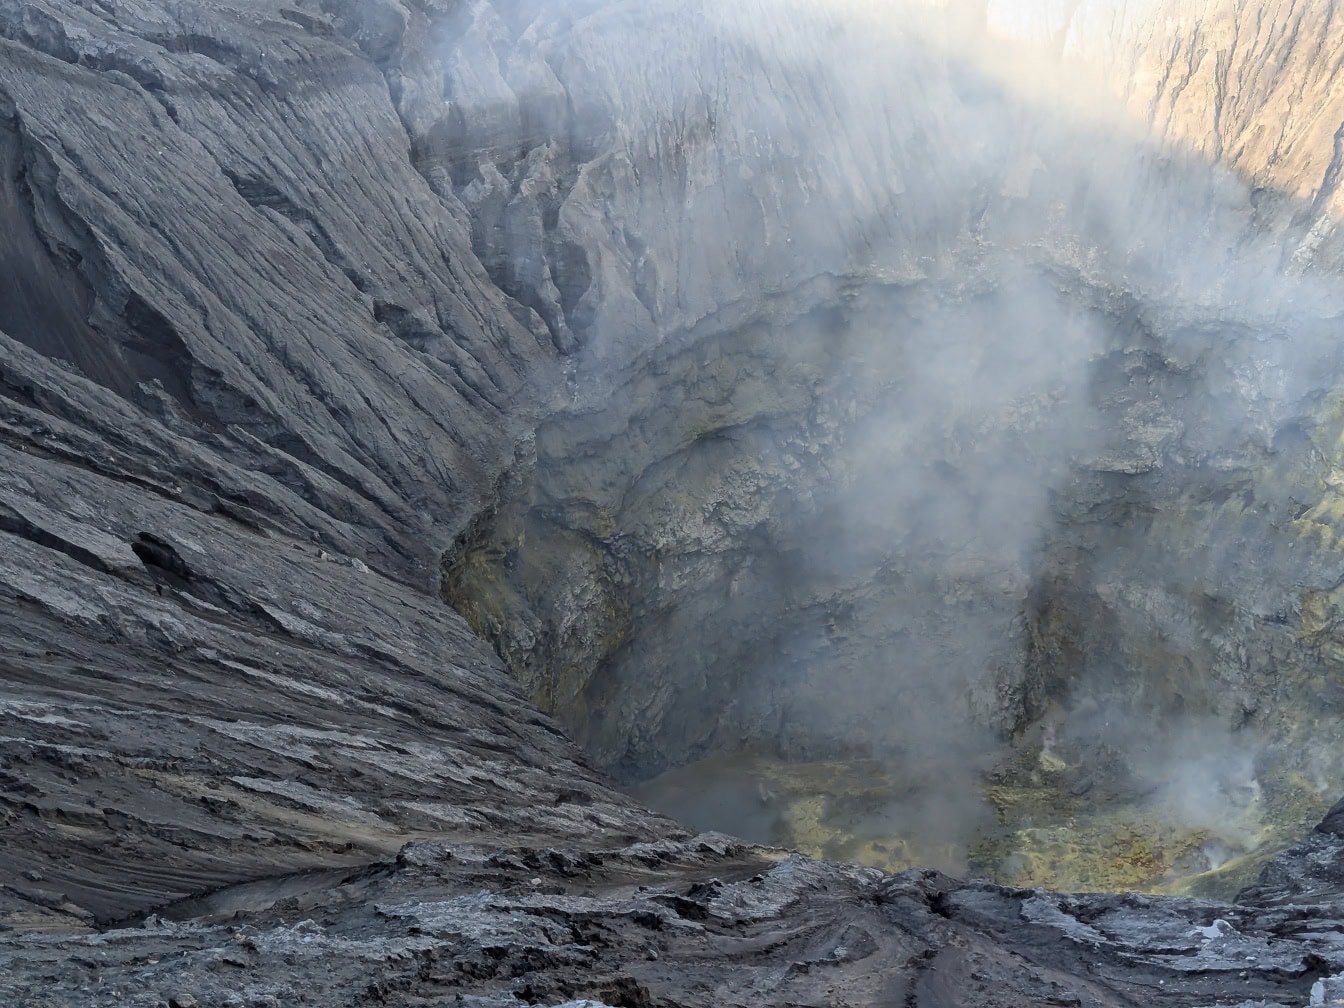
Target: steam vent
x=671 y=503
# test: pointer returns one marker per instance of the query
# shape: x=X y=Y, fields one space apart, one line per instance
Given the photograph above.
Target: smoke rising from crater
x=905 y=399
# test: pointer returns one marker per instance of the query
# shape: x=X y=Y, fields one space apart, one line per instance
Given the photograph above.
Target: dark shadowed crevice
x=261 y=194
x=44 y=302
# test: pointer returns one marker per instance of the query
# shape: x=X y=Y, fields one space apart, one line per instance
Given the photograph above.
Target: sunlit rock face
x=910 y=404
x=1246 y=85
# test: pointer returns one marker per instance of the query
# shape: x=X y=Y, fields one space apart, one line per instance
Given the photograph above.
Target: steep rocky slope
x=254 y=380
x=1252 y=86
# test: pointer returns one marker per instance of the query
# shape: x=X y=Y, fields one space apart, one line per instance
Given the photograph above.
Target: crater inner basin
x=876 y=577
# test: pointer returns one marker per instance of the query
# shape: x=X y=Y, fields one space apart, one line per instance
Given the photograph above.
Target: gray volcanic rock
x=253 y=380
x=304 y=306
x=305 y=239
x=268 y=706
x=698 y=922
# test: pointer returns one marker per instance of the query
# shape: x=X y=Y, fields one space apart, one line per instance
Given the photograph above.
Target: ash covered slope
x=254 y=380
x=216 y=218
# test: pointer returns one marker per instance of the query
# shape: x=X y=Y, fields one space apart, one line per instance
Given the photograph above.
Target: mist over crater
x=921 y=414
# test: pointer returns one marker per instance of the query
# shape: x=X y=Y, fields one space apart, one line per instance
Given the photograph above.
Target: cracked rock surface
x=703 y=921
